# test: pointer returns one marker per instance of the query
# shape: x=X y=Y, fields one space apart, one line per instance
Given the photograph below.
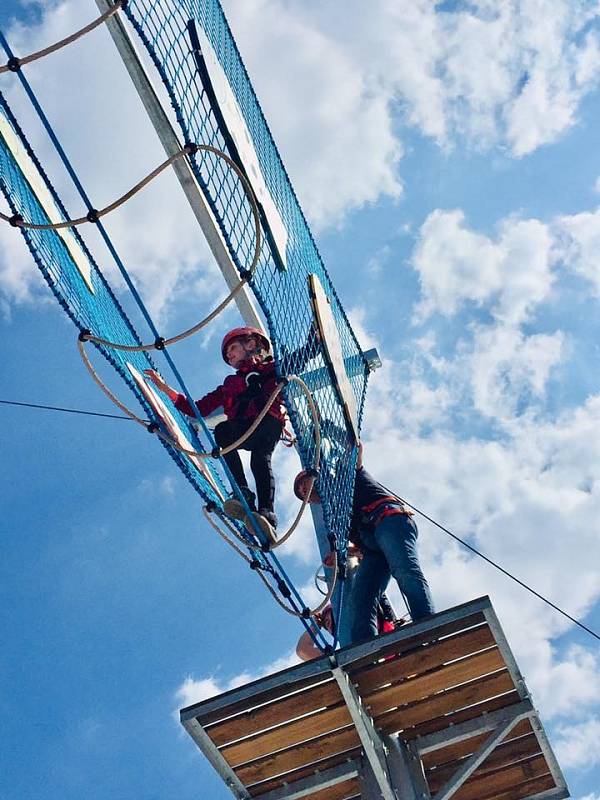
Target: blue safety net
x=99 y=311
x=166 y=30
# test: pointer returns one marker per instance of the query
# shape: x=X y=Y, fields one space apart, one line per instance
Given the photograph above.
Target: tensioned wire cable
x=501 y=569
x=414 y=508
x=65 y=410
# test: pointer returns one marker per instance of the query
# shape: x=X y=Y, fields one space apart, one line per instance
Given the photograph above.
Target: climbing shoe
x=267 y=522
x=234 y=508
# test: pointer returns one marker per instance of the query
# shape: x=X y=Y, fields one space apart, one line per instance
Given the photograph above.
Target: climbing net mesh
x=99 y=311
x=282 y=294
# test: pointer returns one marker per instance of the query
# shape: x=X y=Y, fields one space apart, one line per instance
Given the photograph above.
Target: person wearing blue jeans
x=384 y=530
x=389 y=549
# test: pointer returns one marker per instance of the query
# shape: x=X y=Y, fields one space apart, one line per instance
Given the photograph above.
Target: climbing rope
x=308 y=612
x=93 y=215
x=14 y=64
x=320 y=579
x=16 y=220
x=152 y=427
x=305 y=612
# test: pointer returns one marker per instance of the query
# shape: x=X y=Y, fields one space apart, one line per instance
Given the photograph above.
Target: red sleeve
x=205 y=405
x=210 y=401
x=181 y=402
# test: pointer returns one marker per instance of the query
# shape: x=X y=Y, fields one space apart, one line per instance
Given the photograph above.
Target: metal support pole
x=317 y=782
x=170 y=141
x=213 y=755
x=406 y=770
x=370 y=739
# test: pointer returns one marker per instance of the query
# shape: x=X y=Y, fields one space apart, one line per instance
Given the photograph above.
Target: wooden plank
x=293 y=757
x=458 y=750
x=342 y=791
x=438 y=712
x=303 y=772
x=503 y=756
x=284 y=736
x=495 y=704
x=493 y=783
x=424 y=658
x=411 y=642
x=286 y=687
x=433 y=682
x=527 y=789
x=279 y=711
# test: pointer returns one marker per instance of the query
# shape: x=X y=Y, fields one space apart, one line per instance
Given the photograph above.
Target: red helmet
x=239 y=333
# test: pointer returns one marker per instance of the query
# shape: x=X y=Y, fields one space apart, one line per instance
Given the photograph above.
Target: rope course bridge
x=262 y=235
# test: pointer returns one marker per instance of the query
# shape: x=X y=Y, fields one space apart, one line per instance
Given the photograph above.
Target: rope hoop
x=14 y=64
x=94 y=215
x=160 y=344
x=218 y=453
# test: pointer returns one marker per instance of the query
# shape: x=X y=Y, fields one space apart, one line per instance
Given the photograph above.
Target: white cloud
x=578 y=241
x=508 y=370
x=489 y=74
x=456 y=264
x=194 y=690
x=579 y=746
x=511 y=74
x=528 y=500
x=330 y=115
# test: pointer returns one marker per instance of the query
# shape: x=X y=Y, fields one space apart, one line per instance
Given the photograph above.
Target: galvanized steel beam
x=320 y=780
x=170 y=141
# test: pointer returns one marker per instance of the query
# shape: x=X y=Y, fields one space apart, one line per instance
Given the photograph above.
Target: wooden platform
x=436 y=709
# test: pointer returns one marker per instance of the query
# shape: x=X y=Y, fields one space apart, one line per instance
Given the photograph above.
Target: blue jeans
x=389 y=549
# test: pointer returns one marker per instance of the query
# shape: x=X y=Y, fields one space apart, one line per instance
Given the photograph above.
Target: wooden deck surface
x=409 y=684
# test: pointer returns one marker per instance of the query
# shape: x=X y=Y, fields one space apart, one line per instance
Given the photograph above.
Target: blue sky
x=447 y=159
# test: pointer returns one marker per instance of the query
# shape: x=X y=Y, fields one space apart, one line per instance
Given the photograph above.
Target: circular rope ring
x=151 y=427
x=247 y=273
x=93 y=216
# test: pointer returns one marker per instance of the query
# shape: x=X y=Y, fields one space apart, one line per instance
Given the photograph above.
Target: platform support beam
x=213 y=755
x=465 y=730
x=370 y=739
x=561 y=789
x=479 y=756
x=320 y=780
